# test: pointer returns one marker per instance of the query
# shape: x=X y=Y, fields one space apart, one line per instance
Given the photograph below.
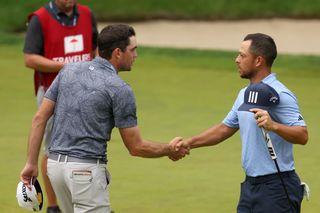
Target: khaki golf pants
x=80 y=187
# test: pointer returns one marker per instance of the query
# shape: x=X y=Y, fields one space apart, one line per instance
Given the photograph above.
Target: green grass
x=125 y=10
x=205 y=9
x=179 y=93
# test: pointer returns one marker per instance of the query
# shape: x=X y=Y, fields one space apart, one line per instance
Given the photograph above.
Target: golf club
x=274 y=158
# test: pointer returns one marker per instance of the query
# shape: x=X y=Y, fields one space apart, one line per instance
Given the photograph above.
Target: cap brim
x=247 y=107
x=39 y=193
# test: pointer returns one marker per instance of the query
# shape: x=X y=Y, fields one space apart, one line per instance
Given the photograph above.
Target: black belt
x=66 y=158
x=266 y=178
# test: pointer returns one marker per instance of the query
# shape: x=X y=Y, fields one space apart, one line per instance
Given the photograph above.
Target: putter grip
x=268 y=141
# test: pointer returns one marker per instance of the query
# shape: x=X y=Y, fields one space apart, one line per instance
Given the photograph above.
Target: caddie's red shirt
x=64 y=43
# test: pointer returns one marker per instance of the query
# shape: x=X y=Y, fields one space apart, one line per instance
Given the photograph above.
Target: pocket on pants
x=81 y=185
x=103 y=179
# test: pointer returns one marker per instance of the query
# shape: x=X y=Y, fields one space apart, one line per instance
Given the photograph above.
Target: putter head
x=306 y=190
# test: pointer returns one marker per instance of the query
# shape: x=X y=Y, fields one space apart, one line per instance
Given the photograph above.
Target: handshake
x=179 y=148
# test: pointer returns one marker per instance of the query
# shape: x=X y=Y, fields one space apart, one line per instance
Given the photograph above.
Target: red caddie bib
x=64 y=43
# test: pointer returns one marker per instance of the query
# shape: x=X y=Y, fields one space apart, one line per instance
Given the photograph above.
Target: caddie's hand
x=28 y=173
x=176 y=154
x=263 y=119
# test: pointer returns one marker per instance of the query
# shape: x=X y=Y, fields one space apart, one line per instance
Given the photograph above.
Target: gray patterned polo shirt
x=91 y=99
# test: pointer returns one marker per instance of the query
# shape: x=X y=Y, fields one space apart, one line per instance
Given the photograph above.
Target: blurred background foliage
x=13 y=13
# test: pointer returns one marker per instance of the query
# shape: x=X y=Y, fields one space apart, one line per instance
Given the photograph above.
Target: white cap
x=30 y=199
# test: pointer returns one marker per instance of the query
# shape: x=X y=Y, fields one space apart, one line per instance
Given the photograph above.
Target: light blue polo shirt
x=256 y=160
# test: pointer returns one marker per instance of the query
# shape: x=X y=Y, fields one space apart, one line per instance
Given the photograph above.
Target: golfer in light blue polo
x=265 y=103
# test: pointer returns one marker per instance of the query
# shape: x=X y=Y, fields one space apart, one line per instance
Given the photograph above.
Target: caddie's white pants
x=80 y=187
x=48 y=129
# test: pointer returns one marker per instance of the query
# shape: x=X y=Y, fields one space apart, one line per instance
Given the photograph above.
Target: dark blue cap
x=260 y=96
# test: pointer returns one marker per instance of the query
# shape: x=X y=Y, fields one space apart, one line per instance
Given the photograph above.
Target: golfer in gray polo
x=87 y=100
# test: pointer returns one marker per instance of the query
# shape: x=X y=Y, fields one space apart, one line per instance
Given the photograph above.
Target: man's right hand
x=177 y=152
x=28 y=173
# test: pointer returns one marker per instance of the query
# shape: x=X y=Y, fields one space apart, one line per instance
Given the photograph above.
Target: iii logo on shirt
x=253 y=96
x=73 y=44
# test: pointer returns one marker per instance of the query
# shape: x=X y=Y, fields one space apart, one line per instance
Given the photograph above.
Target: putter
x=274 y=158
